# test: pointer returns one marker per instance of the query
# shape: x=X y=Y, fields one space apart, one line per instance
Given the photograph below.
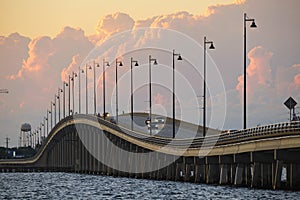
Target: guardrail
x=260 y=132
x=251 y=134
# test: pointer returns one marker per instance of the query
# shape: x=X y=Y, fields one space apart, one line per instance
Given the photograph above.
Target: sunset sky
x=42 y=42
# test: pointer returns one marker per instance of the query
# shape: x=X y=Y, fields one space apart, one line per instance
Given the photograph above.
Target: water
x=82 y=186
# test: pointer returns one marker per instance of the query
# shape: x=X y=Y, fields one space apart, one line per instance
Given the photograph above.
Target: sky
x=42 y=42
x=35 y=18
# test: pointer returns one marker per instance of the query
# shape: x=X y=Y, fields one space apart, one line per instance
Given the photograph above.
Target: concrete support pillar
x=212 y=173
x=278 y=165
x=225 y=173
x=242 y=174
x=171 y=169
x=189 y=173
x=199 y=173
x=262 y=175
x=180 y=173
x=257 y=176
x=104 y=154
x=293 y=174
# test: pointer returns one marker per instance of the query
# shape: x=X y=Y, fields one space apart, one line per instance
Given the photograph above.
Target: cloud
x=297 y=80
x=114 y=23
x=13 y=49
x=73 y=67
x=40 y=49
x=258 y=71
x=37 y=66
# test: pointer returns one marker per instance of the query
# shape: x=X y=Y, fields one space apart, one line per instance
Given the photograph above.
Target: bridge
x=255 y=157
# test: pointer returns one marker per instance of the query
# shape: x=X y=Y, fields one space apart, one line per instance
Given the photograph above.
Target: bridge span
x=260 y=157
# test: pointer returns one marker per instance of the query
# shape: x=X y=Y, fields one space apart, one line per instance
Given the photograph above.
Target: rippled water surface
x=82 y=186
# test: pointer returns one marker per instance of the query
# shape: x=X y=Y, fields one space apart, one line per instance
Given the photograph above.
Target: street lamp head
x=107 y=64
x=75 y=74
x=253 y=25
x=179 y=57
x=90 y=67
x=136 y=64
x=97 y=65
x=212 y=46
x=155 y=62
x=120 y=64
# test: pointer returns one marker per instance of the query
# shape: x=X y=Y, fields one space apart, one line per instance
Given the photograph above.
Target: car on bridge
x=159 y=119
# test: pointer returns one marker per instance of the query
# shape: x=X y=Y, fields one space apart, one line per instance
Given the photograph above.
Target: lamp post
x=174 y=109
x=86 y=87
x=43 y=125
x=204 y=83
x=40 y=133
x=95 y=95
x=46 y=118
x=37 y=137
x=150 y=91
x=131 y=86
x=73 y=83
x=253 y=25
x=30 y=136
x=69 y=99
x=58 y=99
x=117 y=108
x=79 y=95
x=34 y=138
x=105 y=63
x=64 y=98
x=50 y=112
x=54 y=110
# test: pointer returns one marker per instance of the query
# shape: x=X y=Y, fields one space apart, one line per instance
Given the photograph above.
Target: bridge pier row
x=212 y=170
x=293 y=176
x=132 y=161
x=171 y=168
x=189 y=175
x=243 y=169
x=180 y=169
x=200 y=167
x=153 y=161
x=262 y=175
x=263 y=170
x=226 y=169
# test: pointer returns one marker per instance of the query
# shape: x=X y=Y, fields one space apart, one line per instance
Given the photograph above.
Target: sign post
x=290 y=103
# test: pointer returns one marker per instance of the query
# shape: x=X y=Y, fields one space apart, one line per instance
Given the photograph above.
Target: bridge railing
x=259 y=132
x=273 y=130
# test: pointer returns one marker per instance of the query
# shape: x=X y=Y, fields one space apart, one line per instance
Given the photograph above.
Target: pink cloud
x=259 y=72
x=73 y=67
x=40 y=49
x=114 y=23
x=297 y=80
